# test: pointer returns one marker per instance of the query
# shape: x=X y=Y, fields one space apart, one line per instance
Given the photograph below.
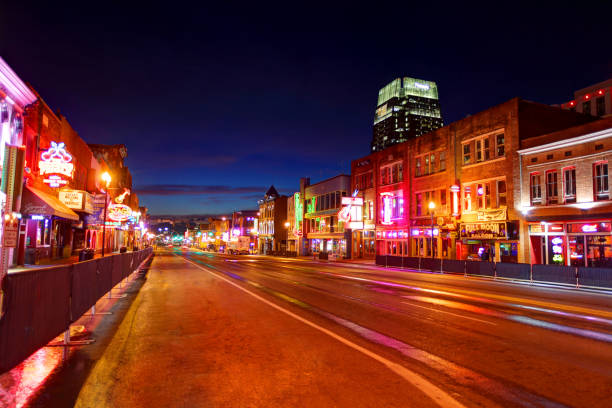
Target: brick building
x=565 y=196
x=60 y=177
x=451 y=193
x=595 y=100
x=272 y=234
x=364 y=239
x=125 y=233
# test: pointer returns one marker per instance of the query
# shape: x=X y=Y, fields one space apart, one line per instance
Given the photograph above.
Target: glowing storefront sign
x=119 y=212
x=56 y=162
x=387 y=199
x=352 y=201
x=557 y=249
x=455 y=199
x=589 y=228
x=344 y=215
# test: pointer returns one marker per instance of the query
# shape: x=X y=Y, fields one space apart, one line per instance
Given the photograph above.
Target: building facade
x=272 y=232
x=15 y=99
x=123 y=216
x=326 y=232
x=362 y=179
x=406 y=108
x=62 y=177
x=451 y=193
x=244 y=224
x=565 y=196
x=594 y=100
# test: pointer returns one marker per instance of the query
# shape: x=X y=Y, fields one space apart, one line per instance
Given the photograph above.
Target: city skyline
x=271 y=110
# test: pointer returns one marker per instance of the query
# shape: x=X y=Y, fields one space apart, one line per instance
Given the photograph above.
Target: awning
x=36 y=202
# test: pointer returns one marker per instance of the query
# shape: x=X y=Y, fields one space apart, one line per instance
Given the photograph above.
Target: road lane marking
x=461 y=375
x=596 y=312
x=432 y=391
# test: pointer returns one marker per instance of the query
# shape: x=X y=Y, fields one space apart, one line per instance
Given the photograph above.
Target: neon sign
x=387 y=201
x=557 y=249
x=56 y=162
x=119 y=199
x=589 y=228
x=344 y=214
x=119 y=212
x=455 y=189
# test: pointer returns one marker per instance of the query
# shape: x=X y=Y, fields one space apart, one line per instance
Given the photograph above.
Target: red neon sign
x=56 y=162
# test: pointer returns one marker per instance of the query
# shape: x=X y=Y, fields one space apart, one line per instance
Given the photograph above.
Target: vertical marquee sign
x=56 y=164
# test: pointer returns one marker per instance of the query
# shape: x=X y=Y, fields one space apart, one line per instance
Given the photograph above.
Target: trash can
x=86 y=254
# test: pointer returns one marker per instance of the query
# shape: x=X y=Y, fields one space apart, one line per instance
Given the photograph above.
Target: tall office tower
x=406 y=108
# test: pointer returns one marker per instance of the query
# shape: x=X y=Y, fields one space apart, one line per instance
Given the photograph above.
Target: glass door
x=576 y=250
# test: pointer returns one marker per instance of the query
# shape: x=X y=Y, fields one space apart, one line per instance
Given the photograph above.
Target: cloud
x=189 y=189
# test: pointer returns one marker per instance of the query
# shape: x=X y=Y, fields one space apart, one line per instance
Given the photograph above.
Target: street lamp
x=432 y=206
x=107 y=178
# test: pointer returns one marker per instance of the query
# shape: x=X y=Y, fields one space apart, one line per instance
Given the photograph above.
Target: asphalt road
x=209 y=330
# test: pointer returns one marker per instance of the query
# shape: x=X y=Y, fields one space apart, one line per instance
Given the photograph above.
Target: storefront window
x=556 y=250
x=599 y=250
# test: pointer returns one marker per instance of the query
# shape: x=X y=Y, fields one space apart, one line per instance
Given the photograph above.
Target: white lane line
x=436 y=394
x=449 y=313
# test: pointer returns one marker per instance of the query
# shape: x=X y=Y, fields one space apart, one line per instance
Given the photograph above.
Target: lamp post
x=432 y=206
x=107 y=178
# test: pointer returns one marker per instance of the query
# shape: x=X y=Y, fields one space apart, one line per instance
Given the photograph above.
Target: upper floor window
x=552 y=193
x=417 y=170
x=392 y=207
x=484 y=195
x=363 y=181
x=393 y=173
x=419 y=204
x=569 y=185
x=586 y=107
x=442 y=161
x=466 y=154
x=501 y=193
x=484 y=148
x=467 y=198
x=499 y=143
x=536 y=189
x=600 y=106
x=600 y=181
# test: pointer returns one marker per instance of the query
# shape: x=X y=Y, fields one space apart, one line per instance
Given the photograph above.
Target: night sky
x=216 y=104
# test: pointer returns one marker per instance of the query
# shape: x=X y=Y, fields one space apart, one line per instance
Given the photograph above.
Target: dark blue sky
x=216 y=104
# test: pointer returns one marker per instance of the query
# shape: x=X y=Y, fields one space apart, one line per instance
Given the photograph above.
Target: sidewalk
x=54 y=262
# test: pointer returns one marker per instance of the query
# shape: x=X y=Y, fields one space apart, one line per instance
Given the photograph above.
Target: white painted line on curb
x=436 y=394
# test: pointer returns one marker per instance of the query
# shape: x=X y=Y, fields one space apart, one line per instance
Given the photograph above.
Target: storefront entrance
x=575 y=244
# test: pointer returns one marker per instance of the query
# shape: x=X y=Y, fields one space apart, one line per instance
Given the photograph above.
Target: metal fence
x=576 y=276
x=40 y=304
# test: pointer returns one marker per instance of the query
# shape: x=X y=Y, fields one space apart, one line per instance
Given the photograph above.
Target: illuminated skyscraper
x=406 y=108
